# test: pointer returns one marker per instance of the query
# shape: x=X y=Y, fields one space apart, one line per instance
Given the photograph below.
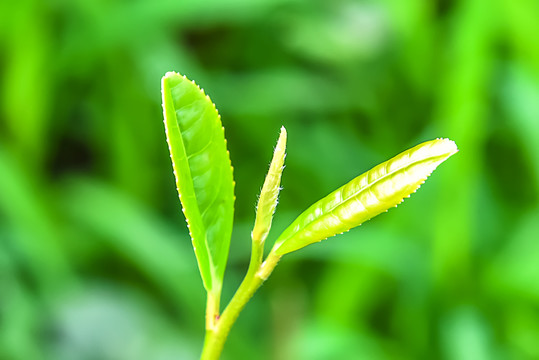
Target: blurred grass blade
x=203 y=173
x=121 y=226
x=368 y=195
x=270 y=191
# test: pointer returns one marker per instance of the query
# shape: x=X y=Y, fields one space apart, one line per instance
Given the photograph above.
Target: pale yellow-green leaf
x=368 y=195
x=270 y=191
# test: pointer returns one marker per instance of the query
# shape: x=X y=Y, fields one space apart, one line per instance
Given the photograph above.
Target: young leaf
x=203 y=173
x=270 y=191
x=377 y=190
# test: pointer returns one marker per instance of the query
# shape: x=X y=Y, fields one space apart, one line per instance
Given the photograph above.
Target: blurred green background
x=95 y=259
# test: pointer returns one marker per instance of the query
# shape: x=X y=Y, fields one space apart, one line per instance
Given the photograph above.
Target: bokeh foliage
x=95 y=259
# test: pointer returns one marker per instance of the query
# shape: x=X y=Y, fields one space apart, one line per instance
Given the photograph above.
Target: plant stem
x=257 y=273
x=212 y=308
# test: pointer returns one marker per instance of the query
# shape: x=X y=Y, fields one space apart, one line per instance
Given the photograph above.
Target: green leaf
x=203 y=173
x=270 y=192
x=368 y=195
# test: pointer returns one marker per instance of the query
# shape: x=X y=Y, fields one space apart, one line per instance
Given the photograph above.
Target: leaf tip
x=171 y=74
x=446 y=146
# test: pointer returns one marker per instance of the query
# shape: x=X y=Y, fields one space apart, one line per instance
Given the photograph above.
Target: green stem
x=257 y=273
x=212 y=308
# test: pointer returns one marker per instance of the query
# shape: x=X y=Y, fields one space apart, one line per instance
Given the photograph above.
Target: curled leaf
x=366 y=196
x=203 y=173
x=267 y=201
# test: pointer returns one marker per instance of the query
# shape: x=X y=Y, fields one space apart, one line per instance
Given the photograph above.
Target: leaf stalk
x=257 y=273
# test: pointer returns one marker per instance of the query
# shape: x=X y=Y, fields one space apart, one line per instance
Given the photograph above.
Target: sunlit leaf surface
x=371 y=193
